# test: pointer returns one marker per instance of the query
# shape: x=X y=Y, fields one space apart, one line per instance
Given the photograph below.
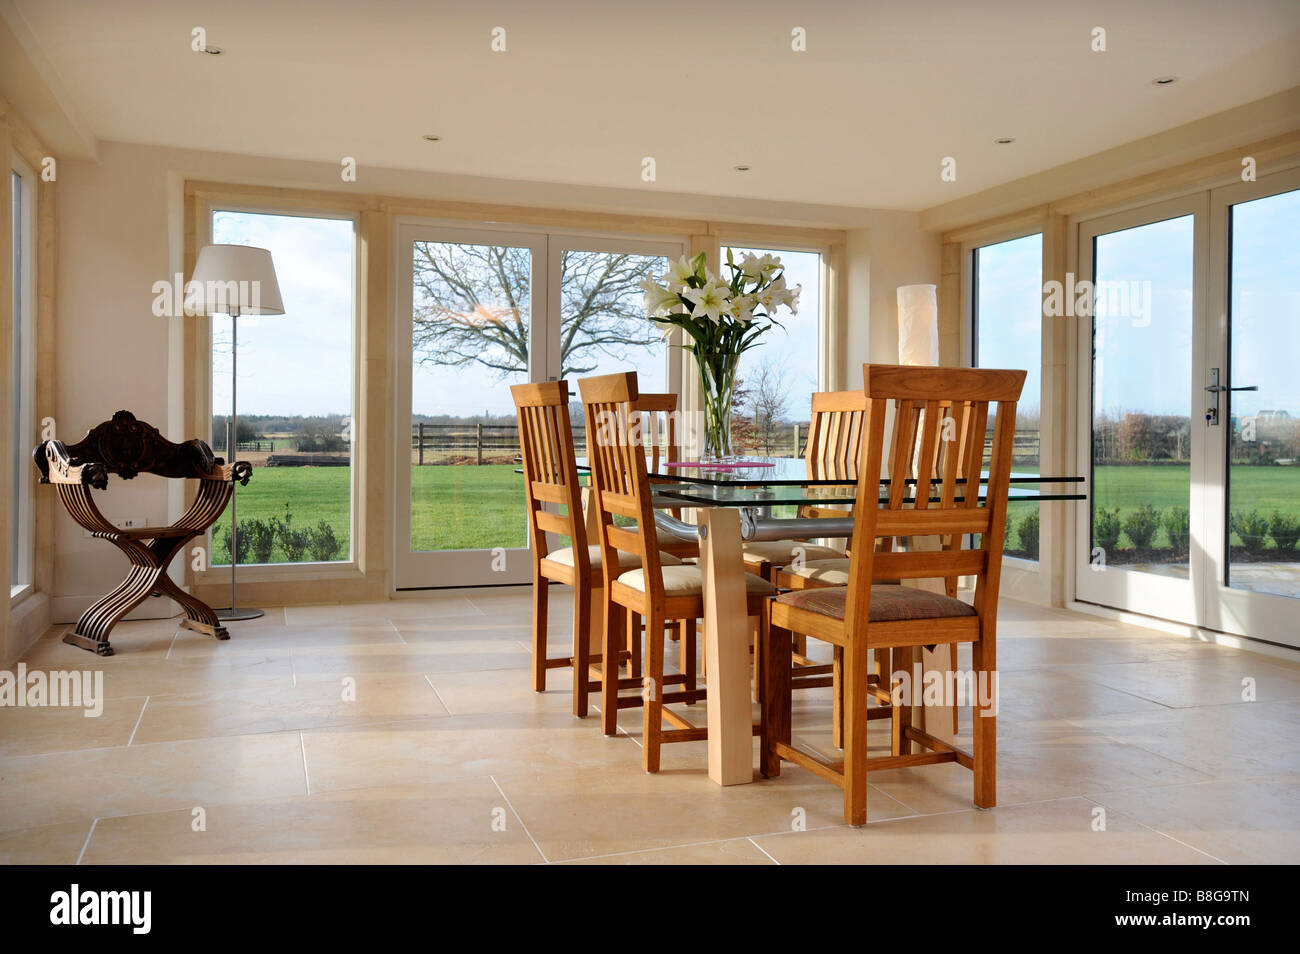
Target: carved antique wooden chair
x=127 y=447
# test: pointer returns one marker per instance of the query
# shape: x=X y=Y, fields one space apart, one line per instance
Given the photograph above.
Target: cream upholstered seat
x=686 y=580
x=888 y=603
x=564 y=557
x=832 y=572
x=781 y=552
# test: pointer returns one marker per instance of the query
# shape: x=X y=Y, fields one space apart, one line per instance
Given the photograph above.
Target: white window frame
x=24 y=438
x=335 y=569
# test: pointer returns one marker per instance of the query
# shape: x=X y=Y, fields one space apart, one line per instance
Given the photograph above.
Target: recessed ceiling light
x=1164 y=80
x=1004 y=140
x=742 y=168
x=432 y=138
x=213 y=50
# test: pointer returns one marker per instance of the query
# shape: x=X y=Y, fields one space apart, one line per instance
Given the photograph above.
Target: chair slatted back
x=659 y=424
x=839 y=419
x=619 y=479
x=935 y=458
x=550 y=467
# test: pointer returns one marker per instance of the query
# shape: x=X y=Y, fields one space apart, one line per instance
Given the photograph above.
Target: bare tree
x=769 y=400
x=472 y=307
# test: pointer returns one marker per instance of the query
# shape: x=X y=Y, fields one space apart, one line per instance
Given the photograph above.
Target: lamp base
x=236 y=614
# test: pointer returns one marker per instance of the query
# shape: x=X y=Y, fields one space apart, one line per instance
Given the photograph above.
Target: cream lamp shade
x=918 y=325
x=235 y=280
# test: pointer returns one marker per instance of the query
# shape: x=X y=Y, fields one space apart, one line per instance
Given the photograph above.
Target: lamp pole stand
x=234 y=612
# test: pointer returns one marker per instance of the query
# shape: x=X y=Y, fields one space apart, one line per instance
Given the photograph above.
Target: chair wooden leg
x=758 y=662
x=634 y=624
x=901 y=718
x=855 y=733
x=686 y=630
x=581 y=648
x=652 y=694
x=775 y=720
x=540 y=595
x=611 y=646
x=984 y=726
x=837 y=697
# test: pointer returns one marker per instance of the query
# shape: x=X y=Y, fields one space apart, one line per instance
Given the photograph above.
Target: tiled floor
x=407 y=732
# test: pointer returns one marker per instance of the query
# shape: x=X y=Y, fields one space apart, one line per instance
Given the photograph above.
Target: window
x=1008 y=333
x=295 y=394
x=22 y=265
x=776 y=381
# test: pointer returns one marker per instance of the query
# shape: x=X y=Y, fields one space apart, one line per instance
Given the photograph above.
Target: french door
x=477 y=311
x=1189 y=416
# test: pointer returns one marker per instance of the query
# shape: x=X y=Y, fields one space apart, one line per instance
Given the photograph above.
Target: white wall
x=118 y=231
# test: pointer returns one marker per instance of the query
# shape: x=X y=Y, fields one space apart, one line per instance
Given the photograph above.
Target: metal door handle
x=1216 y=388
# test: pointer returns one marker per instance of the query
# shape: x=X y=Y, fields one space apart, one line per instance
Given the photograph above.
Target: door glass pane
x=295 y=394
x=1141 y=386
x=471 y=322
x=772 y=408
x=1264 y=460
x=1009 y=334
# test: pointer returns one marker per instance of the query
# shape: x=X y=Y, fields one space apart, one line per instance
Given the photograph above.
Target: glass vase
x=717 y=384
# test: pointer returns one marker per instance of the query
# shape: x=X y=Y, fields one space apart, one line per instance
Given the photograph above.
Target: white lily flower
x=742 y=308
x=712 y=301
x=658 y=299
x=678 y=273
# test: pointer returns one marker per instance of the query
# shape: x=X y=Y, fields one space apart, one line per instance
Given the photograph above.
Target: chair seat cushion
x=564 y=556
x=685 y=580
x=781 y=552
x=889 y=604
x=831 y=572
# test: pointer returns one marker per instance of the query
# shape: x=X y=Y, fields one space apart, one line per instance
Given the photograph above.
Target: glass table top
x=775 y=495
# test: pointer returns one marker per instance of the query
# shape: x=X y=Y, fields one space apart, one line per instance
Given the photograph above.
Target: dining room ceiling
x=585 y=91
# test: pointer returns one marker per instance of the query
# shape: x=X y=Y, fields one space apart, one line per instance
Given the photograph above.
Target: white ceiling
x=587 y=88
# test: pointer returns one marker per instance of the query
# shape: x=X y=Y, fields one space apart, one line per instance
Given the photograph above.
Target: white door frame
x=1232 y=609
x=459 y=568
x=415 y=569
x=1151 y=594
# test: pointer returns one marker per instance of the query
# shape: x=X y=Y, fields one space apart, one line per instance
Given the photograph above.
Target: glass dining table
x=758 y=499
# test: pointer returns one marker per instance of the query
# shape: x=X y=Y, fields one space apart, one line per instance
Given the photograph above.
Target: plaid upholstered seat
x=888 y=603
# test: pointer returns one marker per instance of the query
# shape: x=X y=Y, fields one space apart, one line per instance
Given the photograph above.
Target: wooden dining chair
x=657 y=593
x=940 y=419
x=554 y=501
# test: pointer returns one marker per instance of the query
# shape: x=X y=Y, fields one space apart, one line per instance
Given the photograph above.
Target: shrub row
x=258 y=539
x=1141 y=525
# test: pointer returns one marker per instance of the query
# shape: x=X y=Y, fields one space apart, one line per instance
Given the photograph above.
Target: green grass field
x=483 y=507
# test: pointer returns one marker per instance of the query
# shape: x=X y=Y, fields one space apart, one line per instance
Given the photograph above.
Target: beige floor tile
x=1209 y=681
x=404 y=609
x=1054 y=832
x=131 y=642
x=502 y=745
x=488 y=692
x=1035 y=769
x=1241 y=821
x=434 y=656
x=1036 y=694
x=587 y=812
x=350 y=699
x=448 y=823
x=71 y=786
x=36 y=731
x=47 y=845
x=1262 y=738
x=737 y=851
x=286 y=639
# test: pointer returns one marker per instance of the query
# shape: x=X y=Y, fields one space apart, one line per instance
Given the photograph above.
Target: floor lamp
x=236 y=280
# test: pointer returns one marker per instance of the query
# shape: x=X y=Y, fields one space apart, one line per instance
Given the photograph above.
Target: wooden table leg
x=726 y=648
